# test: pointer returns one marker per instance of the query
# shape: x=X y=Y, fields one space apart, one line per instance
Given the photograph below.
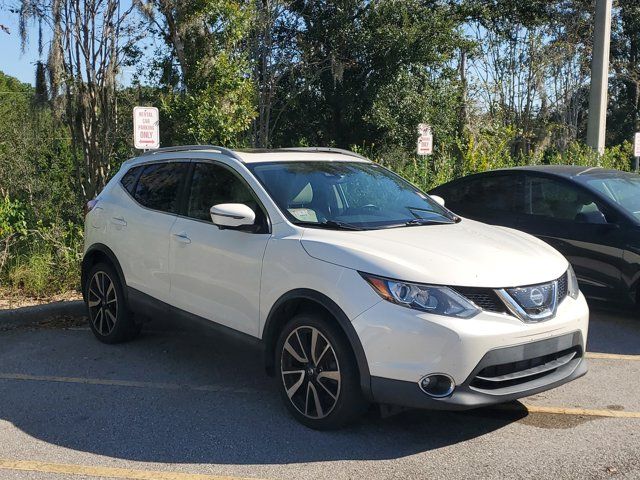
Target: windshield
x=625 y=191
x=347 y=195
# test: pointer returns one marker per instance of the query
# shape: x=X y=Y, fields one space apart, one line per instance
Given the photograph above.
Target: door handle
x=120 y=221
x=182 y=237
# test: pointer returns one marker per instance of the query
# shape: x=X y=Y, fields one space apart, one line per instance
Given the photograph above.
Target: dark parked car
x=591 y=215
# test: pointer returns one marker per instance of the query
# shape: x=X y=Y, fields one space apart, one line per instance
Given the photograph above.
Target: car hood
x=467 y=253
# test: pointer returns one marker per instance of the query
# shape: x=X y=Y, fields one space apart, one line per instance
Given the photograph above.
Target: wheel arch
x=96 y=253
x=302 y=299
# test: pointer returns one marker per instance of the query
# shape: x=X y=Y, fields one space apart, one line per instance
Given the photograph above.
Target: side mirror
x=594 y=216
x=232 y=215
x=438 y=199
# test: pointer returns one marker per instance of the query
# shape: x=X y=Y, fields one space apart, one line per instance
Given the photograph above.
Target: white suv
x=359 y=287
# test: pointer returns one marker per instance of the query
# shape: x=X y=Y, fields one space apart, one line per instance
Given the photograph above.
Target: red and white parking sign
x=425 y=140
x=425 y=144
x=636 y=145
x=146 y=128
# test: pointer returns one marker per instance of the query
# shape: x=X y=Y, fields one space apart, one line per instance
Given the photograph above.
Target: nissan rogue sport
x=358 y=286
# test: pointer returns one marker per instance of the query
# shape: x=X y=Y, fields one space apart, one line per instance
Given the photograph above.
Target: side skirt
x=150 y=307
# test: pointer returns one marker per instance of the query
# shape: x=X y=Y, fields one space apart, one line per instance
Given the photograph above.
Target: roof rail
x=341 y=151
x=186 y=148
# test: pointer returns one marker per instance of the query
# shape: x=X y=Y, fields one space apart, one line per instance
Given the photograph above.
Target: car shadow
x=242 y=422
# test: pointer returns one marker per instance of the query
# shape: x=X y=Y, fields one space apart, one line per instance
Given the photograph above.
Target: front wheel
x=318 y=374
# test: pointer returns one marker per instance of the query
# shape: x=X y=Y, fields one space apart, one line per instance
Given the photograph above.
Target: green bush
x=37 y=260
x=489 y=149
x=12 y=218
x=46 y=261
x=32 y=273
x=617 y=157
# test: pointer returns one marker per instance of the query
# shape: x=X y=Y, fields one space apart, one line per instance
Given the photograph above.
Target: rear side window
x=129 y=179
x=159 y=186
x=499 y=193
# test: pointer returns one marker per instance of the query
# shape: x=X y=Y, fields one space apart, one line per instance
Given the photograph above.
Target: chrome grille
x=533 y=303
x=505 y=300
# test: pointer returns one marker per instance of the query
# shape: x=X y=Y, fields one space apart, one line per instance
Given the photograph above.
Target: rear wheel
x=317 y=372
x=109 y=316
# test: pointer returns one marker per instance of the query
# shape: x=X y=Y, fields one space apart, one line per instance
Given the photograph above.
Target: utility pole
x=597 y=123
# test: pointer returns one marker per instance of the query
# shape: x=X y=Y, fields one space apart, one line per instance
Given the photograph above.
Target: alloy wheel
x=310 y=372
x=103 y=303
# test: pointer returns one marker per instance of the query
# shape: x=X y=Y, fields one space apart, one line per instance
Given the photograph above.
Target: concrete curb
x=38 y=313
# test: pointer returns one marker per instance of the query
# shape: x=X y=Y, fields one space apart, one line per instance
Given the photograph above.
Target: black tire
x=329 y=403
x=109 y=316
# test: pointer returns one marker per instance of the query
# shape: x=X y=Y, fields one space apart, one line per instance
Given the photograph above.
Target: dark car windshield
x=624 y=190
x=347 y=195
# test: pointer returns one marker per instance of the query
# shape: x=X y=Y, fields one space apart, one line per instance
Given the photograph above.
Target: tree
x=89 y=41
x=36 y=167
x=214 y=99
x=624 y=104
x=531 y=69
x=352 y=51
x=274 y=54
x=41 y=96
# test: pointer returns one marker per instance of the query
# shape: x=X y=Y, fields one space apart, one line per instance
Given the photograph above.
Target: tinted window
x=129 y=179
x=496 y=193
x=560 y=200
x=213 y=184
x=159 y=184
x=624 y=190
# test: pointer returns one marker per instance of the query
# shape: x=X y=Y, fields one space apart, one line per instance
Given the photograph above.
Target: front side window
x=559 y=200
x=347 y=194
x=212 y=185
x=159 y=185
x=623 y=190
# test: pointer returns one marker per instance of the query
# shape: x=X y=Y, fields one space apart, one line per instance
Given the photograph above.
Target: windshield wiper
x=422 y=221
x=331 y=224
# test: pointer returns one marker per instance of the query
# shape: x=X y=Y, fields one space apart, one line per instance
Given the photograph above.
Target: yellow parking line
x=125 y=383
x=612 y=356
x=105 y=472
x=571 y=411
x=223 y=389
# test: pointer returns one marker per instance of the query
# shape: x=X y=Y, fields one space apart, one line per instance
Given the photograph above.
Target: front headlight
x=572 y=283
x=427 y=298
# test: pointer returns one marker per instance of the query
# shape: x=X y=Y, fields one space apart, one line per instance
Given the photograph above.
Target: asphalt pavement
x=176 y=404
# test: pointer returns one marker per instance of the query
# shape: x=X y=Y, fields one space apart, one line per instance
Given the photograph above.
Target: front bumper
x=402 y=345
x=475 y=393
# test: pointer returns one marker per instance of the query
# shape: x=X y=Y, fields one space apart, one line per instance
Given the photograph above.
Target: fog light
x=437 y=385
